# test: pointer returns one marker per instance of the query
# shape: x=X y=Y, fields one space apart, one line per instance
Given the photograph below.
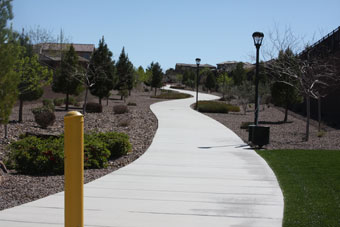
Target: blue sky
x=178 y=31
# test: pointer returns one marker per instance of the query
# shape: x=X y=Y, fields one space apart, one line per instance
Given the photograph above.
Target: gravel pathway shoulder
x=16 y=189
x=288 y=135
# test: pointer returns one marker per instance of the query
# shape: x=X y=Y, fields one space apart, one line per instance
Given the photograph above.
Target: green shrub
x=245 y=125
x=58 y=101
x=72 y=101
x=232 y=108
x=48 y=103
x=36 y=156
x=120 y=109
x=45 y=155
x=96 y=153
x=44 y=116
x=172 y=95
x=212 y=107
x=117 y=143
x=93 y=107
x=132 y=104
x=177 y=86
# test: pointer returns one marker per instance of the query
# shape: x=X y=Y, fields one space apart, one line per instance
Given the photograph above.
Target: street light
x=258 y=37
x=198 y=61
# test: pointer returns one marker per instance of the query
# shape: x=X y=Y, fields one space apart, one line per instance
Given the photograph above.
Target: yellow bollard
x=74 y=169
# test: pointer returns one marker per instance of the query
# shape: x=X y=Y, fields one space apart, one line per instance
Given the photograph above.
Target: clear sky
x=178 y=31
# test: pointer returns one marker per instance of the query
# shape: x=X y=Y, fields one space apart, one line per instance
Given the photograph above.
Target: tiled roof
x=66 y=46
x=194 y=65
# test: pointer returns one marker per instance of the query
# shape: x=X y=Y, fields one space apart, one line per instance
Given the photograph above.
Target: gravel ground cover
x=16 y=189
x=288 y=135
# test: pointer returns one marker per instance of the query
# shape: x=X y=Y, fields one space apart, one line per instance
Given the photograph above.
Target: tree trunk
x=107 y=101
x=100 y=101
x=308 y=117
x=155 y=91
x=85 y=100
x=6 y=131
x=319 y=112
x=21 y=106
x=286 y=114
x=129 y=92
x=67 y=98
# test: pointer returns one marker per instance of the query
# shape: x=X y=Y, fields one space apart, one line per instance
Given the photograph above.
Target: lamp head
x=198 y=61
x=258 y=37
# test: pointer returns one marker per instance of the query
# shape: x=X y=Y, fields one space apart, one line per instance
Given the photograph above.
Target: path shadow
x=275 y=122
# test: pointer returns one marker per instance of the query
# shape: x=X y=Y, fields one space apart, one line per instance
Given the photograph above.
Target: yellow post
x=74 y=169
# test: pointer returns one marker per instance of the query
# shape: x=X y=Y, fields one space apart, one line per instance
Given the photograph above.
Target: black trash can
x=259 y=135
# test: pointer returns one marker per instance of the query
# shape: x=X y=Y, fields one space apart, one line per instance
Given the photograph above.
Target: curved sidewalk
x=195 y=173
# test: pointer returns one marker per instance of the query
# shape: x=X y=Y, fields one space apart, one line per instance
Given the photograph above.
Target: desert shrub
x=117 y=143
x=146 y=89
x=321 y=133
x=37 y=156
x=58 y=101
x=212 y=107
x=93 y=107
x=48 y=103
x=132 y=104
x=172 y=95
x=245 y=125
x=44 y=116
x=72 y=101
x=177 y=86
x=96 y=153
x=232 y=108
x=124 y=122
x=120 y=109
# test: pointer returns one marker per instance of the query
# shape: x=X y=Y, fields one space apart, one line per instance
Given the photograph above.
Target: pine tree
x=156 y=76
x=67 y=80
x=102 y=71
x=33 y=76
x=9 y=56
x=124 y=74
x=210 y=82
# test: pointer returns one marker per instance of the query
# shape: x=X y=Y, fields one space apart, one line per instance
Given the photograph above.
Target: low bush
x=45 y=155
x=48 y=103
x=177 y=86
x=93 y=107
x=58 y=101
x=245 y=125
x=117 y=143
x=72 y=101
x=212 y=107
x=120 y=109
x=44 y=116
x=172 y=95
x=233 y=108
x=132 y=104
x=37 y=156
x=96 y=153
x=124 y=122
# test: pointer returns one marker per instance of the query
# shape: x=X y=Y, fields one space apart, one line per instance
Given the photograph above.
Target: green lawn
x=310 y=181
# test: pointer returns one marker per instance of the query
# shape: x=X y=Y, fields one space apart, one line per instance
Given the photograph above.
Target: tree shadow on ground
x=275 y=122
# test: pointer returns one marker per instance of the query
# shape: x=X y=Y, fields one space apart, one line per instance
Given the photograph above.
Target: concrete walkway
x=195 y=173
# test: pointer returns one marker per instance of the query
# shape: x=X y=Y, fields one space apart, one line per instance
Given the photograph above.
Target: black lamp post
x=198 y=61
x=258 y=37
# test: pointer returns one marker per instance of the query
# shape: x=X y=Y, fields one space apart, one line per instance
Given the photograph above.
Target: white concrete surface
x=195 y=173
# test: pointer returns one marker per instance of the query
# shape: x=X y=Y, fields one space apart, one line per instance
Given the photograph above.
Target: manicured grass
x=216 y=107
x=172 y=95
x=310 y=181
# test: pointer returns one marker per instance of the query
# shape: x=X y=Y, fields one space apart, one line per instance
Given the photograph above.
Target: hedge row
x=45 y=156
